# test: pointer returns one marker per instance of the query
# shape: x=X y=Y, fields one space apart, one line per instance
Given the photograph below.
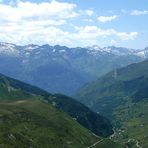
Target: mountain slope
x=89 y=119
x=35 y=124
x=67 y=69
x=122 y=95
x=129 y=81
x=16 y=90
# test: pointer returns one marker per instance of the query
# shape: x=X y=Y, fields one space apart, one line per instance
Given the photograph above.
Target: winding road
x=137 y=143
x=95 y=143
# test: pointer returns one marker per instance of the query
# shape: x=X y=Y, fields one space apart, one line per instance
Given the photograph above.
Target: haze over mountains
x=67 y=69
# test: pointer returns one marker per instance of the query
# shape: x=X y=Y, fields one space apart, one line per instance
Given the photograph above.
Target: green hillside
x=34 y=124
x=122 y=96
x=13 y=89
x=96 y=123
x=29 y=118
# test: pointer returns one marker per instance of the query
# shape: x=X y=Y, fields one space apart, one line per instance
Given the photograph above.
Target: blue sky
x=75 y=22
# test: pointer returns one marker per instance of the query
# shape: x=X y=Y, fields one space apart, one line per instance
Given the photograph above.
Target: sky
x=75 y=23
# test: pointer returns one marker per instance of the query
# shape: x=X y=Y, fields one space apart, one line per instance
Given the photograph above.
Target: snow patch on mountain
x=9 y=49
x=47 y=50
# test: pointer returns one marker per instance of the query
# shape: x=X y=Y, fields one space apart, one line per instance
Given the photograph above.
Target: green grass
x=36 y=124
x=133 y=120
x=106 y=143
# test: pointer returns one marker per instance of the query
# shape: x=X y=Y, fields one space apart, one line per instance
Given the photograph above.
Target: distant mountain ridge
x=95 y=49
x=67 y=69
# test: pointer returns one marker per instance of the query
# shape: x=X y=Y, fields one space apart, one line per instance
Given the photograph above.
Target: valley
x=120 y=95
x=123 y=99
x=73 y=74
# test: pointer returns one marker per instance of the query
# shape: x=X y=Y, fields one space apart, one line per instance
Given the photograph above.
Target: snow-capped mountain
x=8 y=49
x=67 y=69
x=120 y=51
x=15 y=50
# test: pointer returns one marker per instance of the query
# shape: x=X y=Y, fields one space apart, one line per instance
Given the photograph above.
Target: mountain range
x=67 y=69
x=111 y=81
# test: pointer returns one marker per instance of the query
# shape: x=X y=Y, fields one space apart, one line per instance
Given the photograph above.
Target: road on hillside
x=95 y=143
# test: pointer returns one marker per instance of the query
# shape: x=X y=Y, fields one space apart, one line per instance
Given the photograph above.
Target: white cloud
x=127 y=36
x=104 y=19
x=138 y=12
x=93 y=32
x=27 y=22
x=50 y=22
x=26 y=10
x=32 y=33
x=89 y=12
